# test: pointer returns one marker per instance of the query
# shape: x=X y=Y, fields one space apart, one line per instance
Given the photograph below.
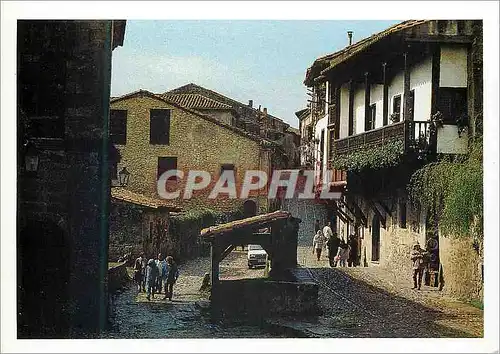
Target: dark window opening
x=226 y=167
x=166 y=164
x=402 y=214
x=159 y=127
x=370 y=120
x=411 y=107
x=452 y=103
x=118 y=126
x=396 y=108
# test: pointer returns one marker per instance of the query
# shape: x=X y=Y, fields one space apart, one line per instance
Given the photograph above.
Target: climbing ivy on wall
x=456 y=185
x=386 y=155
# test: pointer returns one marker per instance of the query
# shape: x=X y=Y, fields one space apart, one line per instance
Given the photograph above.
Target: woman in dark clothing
x=333 y=245
x=353 y=254
x=172 y=275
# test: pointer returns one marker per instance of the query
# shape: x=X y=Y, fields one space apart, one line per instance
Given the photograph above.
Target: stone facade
x=198 y=143
x=64 y=74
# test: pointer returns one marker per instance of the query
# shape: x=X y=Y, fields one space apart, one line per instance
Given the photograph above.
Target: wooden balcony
x=413 y=133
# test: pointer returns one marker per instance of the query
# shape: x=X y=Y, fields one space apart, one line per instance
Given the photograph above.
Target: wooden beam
x=337 y=112
x=385 y=98
x=406 y=88
x=435 y=75
x=351 y=108
x=226 y=252
x=381 y=217
x=440 y=39
x=386 y=209
x=248 y=223
x=214 y=274
x=345 y=218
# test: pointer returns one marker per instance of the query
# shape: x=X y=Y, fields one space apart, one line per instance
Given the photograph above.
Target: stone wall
x=461 y=264
x=461 y=268
x=126 y=230
x=70 y=187
x=117 y=277
x=260 y=298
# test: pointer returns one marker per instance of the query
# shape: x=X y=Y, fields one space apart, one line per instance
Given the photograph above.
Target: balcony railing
x=411 y=132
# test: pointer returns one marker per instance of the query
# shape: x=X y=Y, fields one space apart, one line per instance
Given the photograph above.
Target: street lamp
x=123 y=177
x=31 y=158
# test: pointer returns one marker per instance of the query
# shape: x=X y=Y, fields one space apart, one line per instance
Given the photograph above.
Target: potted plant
x=462 y=123
x=394 y=117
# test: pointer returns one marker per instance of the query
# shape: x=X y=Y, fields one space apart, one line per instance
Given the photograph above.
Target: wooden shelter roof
x=259 y=220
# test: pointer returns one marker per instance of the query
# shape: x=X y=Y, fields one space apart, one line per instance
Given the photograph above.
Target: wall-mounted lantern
x=123 y=177
x=31 y=158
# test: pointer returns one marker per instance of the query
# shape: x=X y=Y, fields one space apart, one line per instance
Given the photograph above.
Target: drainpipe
x=105 y=186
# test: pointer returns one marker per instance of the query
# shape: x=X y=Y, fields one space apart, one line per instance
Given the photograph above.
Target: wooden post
x=367 y=103
x=337 y=112
x=351 y=108
x=406 y=88
x=214 y=276
x=385 y=104
x=406 y=101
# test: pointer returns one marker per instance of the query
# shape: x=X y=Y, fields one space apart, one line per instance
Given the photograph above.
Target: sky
x=260 y=60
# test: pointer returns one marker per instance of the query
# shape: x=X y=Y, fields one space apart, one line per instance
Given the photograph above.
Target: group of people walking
x=154 y=275
x=340 y=253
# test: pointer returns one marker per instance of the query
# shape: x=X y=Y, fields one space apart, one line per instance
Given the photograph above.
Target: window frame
x=399 y=99
x=155 y=137
x=160 y=158
x=123 y=135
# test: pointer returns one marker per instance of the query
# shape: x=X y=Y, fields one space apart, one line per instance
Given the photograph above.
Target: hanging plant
x=457 y=185
x=376 y=157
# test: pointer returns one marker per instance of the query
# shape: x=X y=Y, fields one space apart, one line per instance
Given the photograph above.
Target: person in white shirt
x=318 y=244
x=327 y=231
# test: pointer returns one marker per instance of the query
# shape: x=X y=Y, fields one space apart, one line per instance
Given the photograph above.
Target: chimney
x=265 y=110
x=259 y=107
x=349 y=34
x=250 y=103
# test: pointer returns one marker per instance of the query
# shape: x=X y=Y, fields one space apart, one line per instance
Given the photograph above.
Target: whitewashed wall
x=448 y=141
x=344 y=111
x=320 y=125
x=453 y=69
x=421 y=82
x=377 y=97
x=396 y=88
x=359 y=110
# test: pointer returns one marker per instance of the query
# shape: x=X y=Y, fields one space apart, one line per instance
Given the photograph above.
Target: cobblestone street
x=133 y=316
x=373 y=301
x=354 y=302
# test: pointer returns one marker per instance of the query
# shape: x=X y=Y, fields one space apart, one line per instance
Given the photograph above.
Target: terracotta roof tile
x=128 y=196
x=195 y=101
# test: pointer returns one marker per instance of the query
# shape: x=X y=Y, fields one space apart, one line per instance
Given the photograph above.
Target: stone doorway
x=375 y=238
x=43 y=270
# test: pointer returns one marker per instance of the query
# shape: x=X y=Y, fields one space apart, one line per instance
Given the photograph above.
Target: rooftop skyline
x=260 y=60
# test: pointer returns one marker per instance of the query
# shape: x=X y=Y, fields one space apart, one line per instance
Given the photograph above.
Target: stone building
x=245 y=116
x=63 y=88
x=154 y=134
x=380 y=100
